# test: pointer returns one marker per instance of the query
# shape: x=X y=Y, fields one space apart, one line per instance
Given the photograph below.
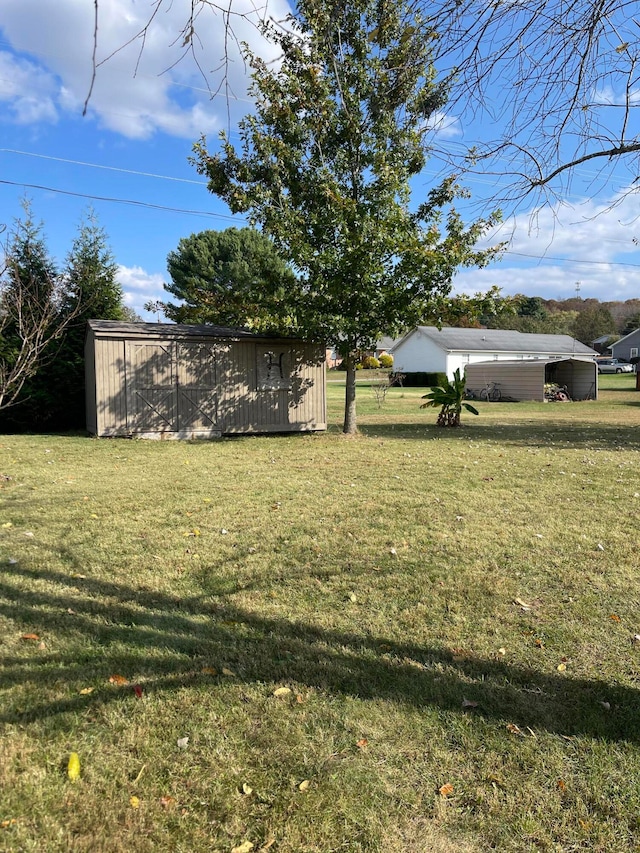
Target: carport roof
x=532 y=362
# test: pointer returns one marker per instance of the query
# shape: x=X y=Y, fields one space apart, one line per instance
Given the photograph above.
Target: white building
x=432 y=350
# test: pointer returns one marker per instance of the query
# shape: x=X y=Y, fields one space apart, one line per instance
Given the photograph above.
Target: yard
x=412 y=640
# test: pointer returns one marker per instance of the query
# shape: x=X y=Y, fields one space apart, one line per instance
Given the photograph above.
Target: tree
x=227 y=278
x=325 y=166
x=31 y=297
x=450 y=398
x=593 y=322
x=54 y=393
x=631 y=324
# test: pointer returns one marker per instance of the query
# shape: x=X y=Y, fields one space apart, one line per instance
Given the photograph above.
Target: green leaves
x=450 y=399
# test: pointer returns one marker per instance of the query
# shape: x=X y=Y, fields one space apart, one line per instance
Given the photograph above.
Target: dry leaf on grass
x=561 y=667
x=561 y=785
x=30 y=637
x=467 y=703
x=362 y=743
x=86 y=690
x=514 y=730
x=138 y=691
x=614 y=618
x=446 y=790
x=167 y=802
x=134 y=802
x=118 y=679
x=73 y=766
x=246 y=789
x=281 y=691
x=304 y=786
x=209 y=670
x=228 y=672
x=245 y=847
x=182 y=742
x=523 y=604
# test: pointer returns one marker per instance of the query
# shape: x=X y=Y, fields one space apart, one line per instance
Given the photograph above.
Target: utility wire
x=132 y=202
x=102 y=166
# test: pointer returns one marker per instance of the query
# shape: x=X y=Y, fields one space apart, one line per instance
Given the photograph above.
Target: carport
x=524 y=379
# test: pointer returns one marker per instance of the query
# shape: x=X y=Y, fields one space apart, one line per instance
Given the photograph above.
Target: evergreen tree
x=30 y=309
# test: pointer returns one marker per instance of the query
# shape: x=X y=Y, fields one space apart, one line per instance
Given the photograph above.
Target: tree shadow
x=526 y=434
x=111 y=627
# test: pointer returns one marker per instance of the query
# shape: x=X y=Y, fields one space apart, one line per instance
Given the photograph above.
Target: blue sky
x=144 y=116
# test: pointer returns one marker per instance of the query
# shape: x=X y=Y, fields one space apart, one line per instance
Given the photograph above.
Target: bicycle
x=491 y=392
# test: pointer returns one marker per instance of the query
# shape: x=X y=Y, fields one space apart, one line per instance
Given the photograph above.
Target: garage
x=525 y=379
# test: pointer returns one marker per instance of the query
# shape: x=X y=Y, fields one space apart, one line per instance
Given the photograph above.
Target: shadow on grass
x=527 y=434
x=168 y=643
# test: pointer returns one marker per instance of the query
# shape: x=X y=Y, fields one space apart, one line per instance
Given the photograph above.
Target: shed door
x=197 y=397
x=151 y=386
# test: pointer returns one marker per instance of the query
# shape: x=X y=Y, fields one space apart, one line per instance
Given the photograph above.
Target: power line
x=132 y=202
x=571 y=260
x=102 y=166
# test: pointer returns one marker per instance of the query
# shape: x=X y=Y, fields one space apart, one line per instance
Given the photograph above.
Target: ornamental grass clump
x=450 y=397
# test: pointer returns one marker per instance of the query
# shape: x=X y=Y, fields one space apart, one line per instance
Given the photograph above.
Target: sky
x=127 y=157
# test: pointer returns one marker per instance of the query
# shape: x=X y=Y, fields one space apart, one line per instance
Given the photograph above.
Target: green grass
x=377 y=577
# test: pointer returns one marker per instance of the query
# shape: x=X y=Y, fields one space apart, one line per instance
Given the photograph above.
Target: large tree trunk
x=350 y=426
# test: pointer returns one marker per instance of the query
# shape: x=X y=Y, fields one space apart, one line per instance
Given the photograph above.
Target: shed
x=525 y=379
x=157 y=380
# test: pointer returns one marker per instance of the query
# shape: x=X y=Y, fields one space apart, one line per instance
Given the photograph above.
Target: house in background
x=432 y=350
x=627 y=348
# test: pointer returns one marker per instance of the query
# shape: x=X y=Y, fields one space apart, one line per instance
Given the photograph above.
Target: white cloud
x=141 y=88
x=551 y=250
x=139 y=287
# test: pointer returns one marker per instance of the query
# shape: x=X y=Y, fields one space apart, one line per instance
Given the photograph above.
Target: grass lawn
x=412 y=640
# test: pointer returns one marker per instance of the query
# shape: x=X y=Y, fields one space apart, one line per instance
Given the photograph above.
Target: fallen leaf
x=245 y=847
x=446 y=790
x=86 y=690
x=228 y=672
x=304 y=786
x=7 y=525
x=522 y=604
x=134 y=802
x=30 y=637
x=182 y=742
x=138 y=691
x=606 y=705
x=117 y=679
x=42 y=645
x=7 y=823
x=362 y=743
x=539 y=643
x=299 y=698
x=600 y=547
x=353 y=597
x=167 y=802
x=613 y=617
x=282 y=691
x=73 y=767
x=635 y=638
x=246 y=789
x=562 y=667
x=467 y=703
x=561 y=785
x=209 y=670
x=513 y=729
x=502 y=650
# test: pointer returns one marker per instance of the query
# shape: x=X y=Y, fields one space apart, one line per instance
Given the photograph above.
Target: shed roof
x=116 y=328
x=500 y=340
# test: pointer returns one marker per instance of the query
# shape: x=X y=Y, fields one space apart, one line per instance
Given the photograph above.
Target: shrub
x=370 y=362
x=386 y=360
x=423 y=379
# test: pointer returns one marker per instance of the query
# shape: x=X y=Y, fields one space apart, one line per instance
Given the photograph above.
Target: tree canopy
x=228 y=278
x=324 y=167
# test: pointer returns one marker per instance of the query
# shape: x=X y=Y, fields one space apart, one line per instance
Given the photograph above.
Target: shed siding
x=520 y=383
x=193 y=386
x=111 y=403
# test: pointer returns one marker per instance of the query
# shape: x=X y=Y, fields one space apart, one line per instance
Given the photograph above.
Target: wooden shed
x=524 y=379
x=157 y=380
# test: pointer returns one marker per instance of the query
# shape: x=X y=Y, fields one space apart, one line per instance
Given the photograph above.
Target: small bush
x=386 y=360
x=423 y=379
x=370 y=362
